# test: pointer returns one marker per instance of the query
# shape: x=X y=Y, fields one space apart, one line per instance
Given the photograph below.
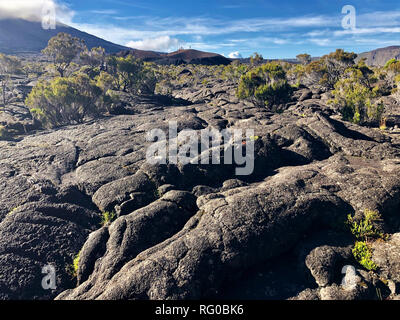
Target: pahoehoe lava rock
x=188 y=231
x=35 y=235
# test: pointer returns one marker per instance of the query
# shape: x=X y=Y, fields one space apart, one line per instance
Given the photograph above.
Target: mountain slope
x=183 y=56
x=19 y=36
x=380 y=56
x=22 y=36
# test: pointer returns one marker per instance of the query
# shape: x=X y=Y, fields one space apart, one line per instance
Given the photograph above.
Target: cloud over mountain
x=163 y=43
x=34 y=10
x=235 y=55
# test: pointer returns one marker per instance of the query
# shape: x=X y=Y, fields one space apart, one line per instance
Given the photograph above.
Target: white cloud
x=163 y=43
x=279 y=41
x=105 y=12
x=34 y=9
x=157 y=33
x=154 y=27
x=235 y=55
x=365 y=31
x=317 y=33
x=321 y=41
x=379 y=18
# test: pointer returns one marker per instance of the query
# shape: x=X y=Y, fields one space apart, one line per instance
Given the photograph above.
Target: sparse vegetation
x=304 y=58
x=363 y=254
x=328 y=70
x=64 y=101
x=307 y=144
x=392 y=72
x=13 y=210
x=72 y=269
x=107 y=218
x=9 y=65
x=265 y=85
x=95 y=58
x=89 y=82
x=365 y=231
x=62 y=50
x=234 y=71
x=132 y=75
x=33 y=69
x=256 y=59
x=355 y=100
x=76 y=263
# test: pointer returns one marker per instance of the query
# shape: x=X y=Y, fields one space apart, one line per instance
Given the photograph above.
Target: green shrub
x=265 y=85
x=396 y=93
x=365 y=229
x=234 y=71
x=304 y=58
x=105 y=81
x=296 y=74
x=110 y=98
x=354 y=99
x=91 y=72
x=33 y=69
x=76 y=263
x=363 y=255
x=107 y=218
x=64 y=101
x=327 y=71
x=72 y=269
x=132 y=75
x=256 y=59
x=62 y=50
x=365 y=75
x=393 y=64
x=8 y=65
x=94 y=58
x=391 y=73
x=164 y=87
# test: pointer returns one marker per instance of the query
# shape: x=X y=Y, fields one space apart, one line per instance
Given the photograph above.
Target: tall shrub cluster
x=265 y=85
x=86 y=92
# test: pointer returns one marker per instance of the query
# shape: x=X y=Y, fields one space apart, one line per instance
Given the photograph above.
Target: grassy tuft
x=363 y=254
x=365 y=229
x=107 y=218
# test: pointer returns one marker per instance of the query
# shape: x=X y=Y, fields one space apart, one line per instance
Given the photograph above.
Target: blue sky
x=276 y=29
